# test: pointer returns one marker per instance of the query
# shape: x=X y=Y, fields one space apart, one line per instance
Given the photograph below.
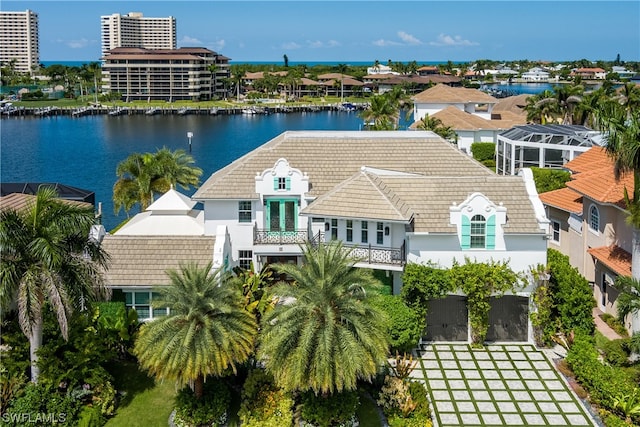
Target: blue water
x=84 y=152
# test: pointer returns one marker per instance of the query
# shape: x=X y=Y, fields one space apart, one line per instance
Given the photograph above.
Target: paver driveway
x=500 y=385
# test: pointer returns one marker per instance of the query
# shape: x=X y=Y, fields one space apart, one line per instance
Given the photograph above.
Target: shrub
x=332 y=410
x=422 y=283
x=404 y=325
x=210 y=409
x=615 y=324
x=263 y=403
x=572 y=295
x=602 y=382
x=46 y=405
x=549 y=179
x=615 y=353
x=483 y=151
x=404 y=403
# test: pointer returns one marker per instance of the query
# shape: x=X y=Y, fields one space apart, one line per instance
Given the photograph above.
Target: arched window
x=594 y=218
x=478 y=232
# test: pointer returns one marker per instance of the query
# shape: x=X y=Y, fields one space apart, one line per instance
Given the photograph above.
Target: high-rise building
x=19 y=41
x=134 y=30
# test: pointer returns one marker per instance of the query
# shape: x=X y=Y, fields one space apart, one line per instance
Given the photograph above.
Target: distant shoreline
x=279 y=63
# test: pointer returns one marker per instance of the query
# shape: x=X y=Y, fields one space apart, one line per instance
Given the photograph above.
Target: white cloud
x=77 y=44
x=383 y=43
x=317 y=44
x=291 y=46
x=217 y=45
x=408 y=38
x=190 y=41
x=447 y=40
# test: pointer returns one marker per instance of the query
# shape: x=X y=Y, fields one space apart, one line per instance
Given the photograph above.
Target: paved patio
x=500 y=385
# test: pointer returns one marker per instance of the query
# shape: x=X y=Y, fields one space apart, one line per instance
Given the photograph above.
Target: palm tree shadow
x=129 y=380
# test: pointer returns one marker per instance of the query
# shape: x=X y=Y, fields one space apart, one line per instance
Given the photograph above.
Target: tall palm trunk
x=35 y=342
x=198 y=387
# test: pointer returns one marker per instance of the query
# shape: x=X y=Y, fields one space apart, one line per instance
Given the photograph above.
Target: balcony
x=379 y=255
x=270 y=237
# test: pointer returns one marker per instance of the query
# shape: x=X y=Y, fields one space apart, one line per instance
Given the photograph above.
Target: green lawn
x=145 y=403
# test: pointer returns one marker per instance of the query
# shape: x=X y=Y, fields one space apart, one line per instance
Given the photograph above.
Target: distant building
x=134 y=30
x=188 y=73
x=19 y=40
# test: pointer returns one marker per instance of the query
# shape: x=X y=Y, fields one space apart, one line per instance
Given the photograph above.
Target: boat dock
x=150 y=111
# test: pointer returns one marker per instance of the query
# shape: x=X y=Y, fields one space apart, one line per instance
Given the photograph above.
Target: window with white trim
x=244 y=211
x=244 y=259
x=379 y=233
x=594 y=218
x=349 y=230
x=364 y=232
x=478 y=234
x=555 y=231
x=141 y=302
x=334 y=229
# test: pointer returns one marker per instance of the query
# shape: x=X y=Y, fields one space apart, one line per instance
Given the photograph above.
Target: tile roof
x=564 y=198
x=442 y=93
x=19 y=201
x=601 y=186
x=402 y=197
x=143 y=260
x=595 y=158
x=461 y=120
x=330 y=157
x=614 y=257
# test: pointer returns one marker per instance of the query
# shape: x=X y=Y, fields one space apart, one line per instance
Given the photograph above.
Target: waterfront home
x=394 y=197
x=535 y=74
x=588 y=224
x=441 y=96
x=542 y=146
x=589 y=73
x=622 y=72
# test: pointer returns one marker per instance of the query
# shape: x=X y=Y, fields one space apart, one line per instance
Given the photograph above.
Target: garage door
x=508 y=318
x=447 y=319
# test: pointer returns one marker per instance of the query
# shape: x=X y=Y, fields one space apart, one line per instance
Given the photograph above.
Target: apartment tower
x=134 y=30
x=19 y=40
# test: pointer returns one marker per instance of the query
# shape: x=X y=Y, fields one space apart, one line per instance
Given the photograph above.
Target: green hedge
x=405 y=325
x=550 y=179
x=483 y=151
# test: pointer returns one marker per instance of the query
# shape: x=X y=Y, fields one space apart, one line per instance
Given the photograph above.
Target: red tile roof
x=565 y=199
x=614 y=257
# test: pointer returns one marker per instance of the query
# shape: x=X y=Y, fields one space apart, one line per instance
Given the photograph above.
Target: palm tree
x=382 y=113
x=140 y=176
x=323 y=335
x=48 y=262
x=628 y=301
x=206 y=333
x=435 y=125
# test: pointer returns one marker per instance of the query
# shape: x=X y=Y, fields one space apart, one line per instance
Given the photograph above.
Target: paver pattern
x=499 y=385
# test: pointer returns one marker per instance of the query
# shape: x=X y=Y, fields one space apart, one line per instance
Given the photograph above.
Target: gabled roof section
x=461 y=120
x=360 y=195
x=596 y=158
x=444 y=94
x=331 y=157
x=564 y=199
x=601 y=186
x=614 y=257
x=144 y=260
x=172 y=201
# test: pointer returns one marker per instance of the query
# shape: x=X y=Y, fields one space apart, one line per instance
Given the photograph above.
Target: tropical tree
x=629 y=298
x=382 y=113
x=434 y=124
x=324 y=334
x=141 y=175
x=206 y=333
x=48 y=263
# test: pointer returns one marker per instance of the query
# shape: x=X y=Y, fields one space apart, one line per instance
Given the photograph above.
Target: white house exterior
x=535 y=74
x=394 y=197
x=441 y=96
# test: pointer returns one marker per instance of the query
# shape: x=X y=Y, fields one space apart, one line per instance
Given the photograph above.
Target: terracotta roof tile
x=614 y=257
x=601 y=186
x=565 y=199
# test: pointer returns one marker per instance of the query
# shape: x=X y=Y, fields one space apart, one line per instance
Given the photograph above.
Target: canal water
x=84 y=151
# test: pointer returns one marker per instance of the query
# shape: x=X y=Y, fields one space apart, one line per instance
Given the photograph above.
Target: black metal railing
x=379 y=255
x=270 y=237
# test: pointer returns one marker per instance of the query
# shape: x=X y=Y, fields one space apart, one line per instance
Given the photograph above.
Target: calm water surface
x=84 y=152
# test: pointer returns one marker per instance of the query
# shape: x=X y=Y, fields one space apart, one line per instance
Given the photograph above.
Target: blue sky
x=343 y=31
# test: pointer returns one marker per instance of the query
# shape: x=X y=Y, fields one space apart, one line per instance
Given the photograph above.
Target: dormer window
x=282 y=183
x=477 y=235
